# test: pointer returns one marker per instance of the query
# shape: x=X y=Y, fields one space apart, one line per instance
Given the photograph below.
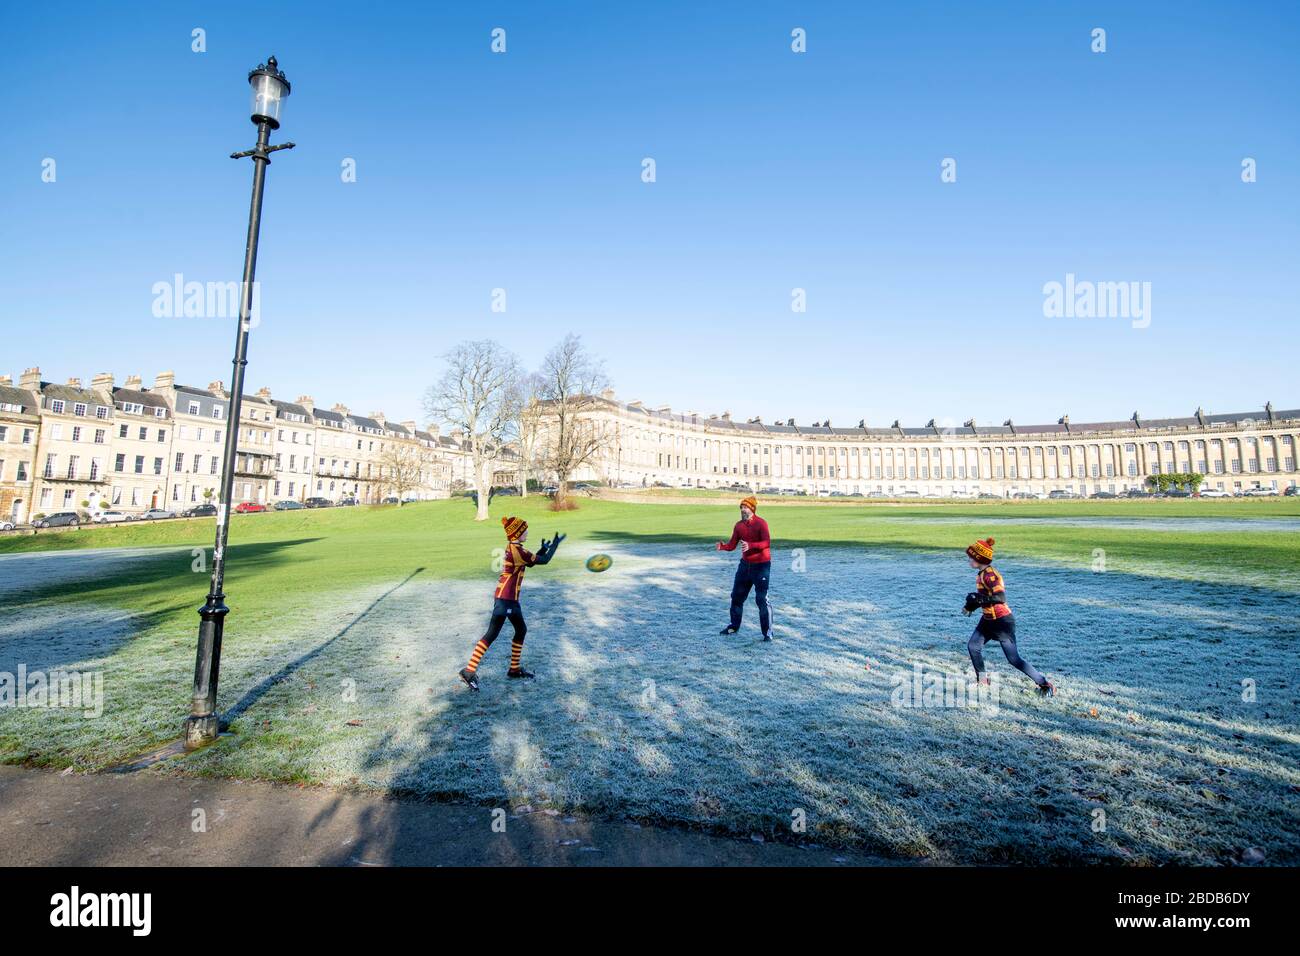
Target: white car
x=110 y=517
x=6 y=526
x=1261 y=493
x=1215 y=493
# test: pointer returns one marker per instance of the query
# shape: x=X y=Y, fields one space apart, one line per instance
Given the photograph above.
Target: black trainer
x=729 y=630
x=767 y=636
x=468 y=677
x=520 y=674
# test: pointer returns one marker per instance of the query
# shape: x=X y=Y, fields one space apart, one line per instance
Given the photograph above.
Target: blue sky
x=775 y=171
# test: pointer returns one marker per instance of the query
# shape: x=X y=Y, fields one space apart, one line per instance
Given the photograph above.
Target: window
x=121 y=431
x=79 y=408
x=216 y=411
x=162 y=434
x=56 y=406
x=49 y=466
x=160 y=412
x=76 y=433
x=72 y=467
x=193 y=408
x=180 y=461
x=101 y=411
x=99 y=436
x=144 y=434
x=157 y=466
x=139 y=465
x=119 y=463
x=22 y=471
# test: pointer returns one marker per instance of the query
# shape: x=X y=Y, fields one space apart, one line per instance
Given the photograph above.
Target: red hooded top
x=755 y=532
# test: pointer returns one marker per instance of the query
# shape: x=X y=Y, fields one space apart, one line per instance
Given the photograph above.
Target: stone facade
x=1236 y=452
x=132 y=447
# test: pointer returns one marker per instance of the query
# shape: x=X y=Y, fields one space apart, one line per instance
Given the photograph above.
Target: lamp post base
x=200 y=731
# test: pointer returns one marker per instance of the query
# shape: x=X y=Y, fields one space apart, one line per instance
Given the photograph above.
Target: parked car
x=1136 y=493
x=390 y=500
x=506 y=492
x=1058 y=493
x=1103 y=494
x=249 y=507
x=1261 y=493
x=7 y=526
x=343 y=503
x=989 y=494
x=289 y=505
x=1290 y=492
x=1024 y=496
x=110 y=517
x=199 y=511
x=157 y=514
x=1177 y=493
x=323 y=502
x=60 y=519
x=1214 y=493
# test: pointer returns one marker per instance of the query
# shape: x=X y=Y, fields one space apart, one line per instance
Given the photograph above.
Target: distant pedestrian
x=754 y=571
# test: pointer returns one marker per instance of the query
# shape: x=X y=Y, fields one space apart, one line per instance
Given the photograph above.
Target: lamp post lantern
x=270 y=87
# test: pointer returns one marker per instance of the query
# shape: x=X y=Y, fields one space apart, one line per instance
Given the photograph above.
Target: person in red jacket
x=755 y=568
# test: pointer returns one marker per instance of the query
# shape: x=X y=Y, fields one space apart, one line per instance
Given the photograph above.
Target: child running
x=506 y=603
x=996 y=622
x=755 y=567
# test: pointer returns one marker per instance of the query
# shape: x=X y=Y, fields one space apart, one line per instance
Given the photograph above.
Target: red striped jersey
x=517 y=560
x=990 y=582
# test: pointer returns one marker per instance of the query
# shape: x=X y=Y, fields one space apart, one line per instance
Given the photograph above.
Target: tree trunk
x=482 y=486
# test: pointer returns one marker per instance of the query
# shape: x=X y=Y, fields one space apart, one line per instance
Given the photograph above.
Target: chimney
x=162 y=381
x=264 y=393
x=6 y=380
x=104 y=381
x=30 y=379
x=74 y=382
x=217 y=388
x=409 y=426
x=607 y=395
x=726 y=416
x=432 y=429
x=341 y=409
x=132 y=381
x=307 y=402
x=379 y=417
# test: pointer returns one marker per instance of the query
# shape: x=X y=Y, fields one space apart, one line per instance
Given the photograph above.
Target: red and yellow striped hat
x=982 y=551
x=751 y=503
x=515 y=527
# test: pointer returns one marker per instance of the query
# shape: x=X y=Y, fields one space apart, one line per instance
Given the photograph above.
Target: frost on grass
x=642 y=710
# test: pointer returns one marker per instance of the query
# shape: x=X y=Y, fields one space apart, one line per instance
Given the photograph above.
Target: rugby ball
x=599 y=562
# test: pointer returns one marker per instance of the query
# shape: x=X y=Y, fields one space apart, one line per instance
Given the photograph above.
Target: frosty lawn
x=348 y=626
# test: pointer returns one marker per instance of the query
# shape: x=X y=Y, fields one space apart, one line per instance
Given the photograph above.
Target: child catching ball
x=506 y=603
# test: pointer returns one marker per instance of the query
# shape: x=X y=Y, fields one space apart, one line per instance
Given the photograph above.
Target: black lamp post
x=270 y=87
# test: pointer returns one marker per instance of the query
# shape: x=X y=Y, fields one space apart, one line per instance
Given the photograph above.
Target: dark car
x=1103 y=494
x=199 y=511
x=1291 y=491
x=390 y=500
x=344 y=502
x=503 y=492
x=1177 y=493
x=59 y=519
x=318 y=503
x=288 y=506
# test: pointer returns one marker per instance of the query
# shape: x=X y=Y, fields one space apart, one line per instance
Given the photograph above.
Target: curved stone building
x=1236 y=452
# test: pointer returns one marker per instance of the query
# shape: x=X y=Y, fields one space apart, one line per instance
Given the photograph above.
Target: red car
x=248 y=507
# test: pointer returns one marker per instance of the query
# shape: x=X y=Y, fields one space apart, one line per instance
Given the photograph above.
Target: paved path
x=146 y=819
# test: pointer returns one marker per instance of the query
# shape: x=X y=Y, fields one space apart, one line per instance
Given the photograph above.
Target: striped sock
x=516 y=649
x=479 y=650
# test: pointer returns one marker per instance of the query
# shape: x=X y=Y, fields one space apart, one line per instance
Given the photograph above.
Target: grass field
x=348 y=625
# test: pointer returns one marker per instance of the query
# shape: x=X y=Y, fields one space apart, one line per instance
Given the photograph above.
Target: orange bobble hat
x=981 y=551
x=515 y=527
x=751 y=503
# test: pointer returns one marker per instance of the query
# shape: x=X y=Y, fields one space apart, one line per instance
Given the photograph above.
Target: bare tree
x=401 y=470
x=477 y=393
x=571 y=382
x=529 y=413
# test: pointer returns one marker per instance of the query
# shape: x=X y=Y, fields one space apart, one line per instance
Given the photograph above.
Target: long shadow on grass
x=169 y=565
x=255 y=693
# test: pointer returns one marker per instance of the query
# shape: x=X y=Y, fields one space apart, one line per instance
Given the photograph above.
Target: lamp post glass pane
x=267 y=95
